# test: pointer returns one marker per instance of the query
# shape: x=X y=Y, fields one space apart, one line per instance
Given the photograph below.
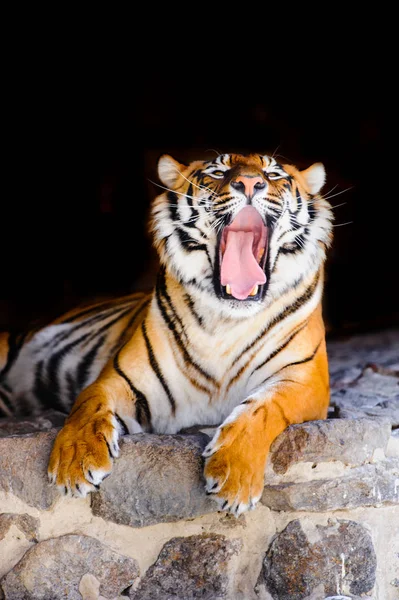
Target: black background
x=81 y=142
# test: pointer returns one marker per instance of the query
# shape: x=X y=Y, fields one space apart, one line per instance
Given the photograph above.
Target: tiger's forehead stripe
x=232 y=160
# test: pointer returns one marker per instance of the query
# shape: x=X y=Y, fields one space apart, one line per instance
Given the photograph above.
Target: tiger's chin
x=240 y=274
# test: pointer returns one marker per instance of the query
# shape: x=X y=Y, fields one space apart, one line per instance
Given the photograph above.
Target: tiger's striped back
x=49 y=367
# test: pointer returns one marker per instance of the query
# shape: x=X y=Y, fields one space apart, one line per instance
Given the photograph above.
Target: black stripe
x=122 y=424
x=63 y=335
x=71 y=385
x=190 y=304
x=47 y=387
x=298 y=362
x=15 y=343
x=6 y=401
x=288 y=310
x=275 y=352
x=194 y=214
x=98 y=332
x=299 y=200
x=311 y=209
x=272 y=355
x=83 y=369
x=121 y=337
x=6 y=386
x=142 y=406
x=222 y=203
x=189 y=244
x=161 y=289
x=105 y=306
x=172 y=198
x=55 y=361
x=41 y=389
x=286 y=421
x=274 y=200
x=86 y=311
x=306 y=296
x=156 y=369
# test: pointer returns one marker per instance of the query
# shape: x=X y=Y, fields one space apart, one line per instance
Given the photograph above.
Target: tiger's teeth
x=254 y=290
x=228 y=289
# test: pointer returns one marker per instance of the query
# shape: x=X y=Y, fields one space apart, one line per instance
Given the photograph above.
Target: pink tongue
x=240 y=269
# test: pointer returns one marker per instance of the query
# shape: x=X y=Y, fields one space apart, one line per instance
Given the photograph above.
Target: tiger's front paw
x=83 y=454
x=234 y=469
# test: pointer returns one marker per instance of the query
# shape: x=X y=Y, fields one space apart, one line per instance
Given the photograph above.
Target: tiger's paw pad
x=82 y=455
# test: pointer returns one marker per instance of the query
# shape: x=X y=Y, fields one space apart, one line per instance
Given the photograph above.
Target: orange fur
x=243 y=446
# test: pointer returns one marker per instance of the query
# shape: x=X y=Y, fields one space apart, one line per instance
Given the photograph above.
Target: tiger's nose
x=248 y=185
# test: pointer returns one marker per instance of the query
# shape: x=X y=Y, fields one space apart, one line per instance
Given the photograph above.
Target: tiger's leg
x=236 y=457
x=84 y=449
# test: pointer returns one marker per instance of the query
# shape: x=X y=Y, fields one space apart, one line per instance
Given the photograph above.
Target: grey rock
x=375 y=392
x=157 y=478
x=348 y=357
x=347 y=598
x=305 y=557
x=43 y=422
x=53 y=569
x=389 y=409
x=23 y=468
x=367 y=485
x=26 y=524
x=190 y=567
x=352 y=442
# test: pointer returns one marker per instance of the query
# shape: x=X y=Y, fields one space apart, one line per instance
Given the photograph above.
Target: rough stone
x=367 y=485
x=190 y=567
x=26 y=524
x=18 y=533
x=352 y=442
x=23 y=468
x=347 y=357
x=157 y=478
x=53 y=569
x=19 y=426
x=336 y=559
x=346 y=598
x=374 y=393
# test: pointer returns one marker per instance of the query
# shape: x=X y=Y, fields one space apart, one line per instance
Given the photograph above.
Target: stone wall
x=327 y=525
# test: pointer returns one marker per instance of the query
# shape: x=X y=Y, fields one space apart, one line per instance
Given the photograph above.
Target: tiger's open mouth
x=242 y=252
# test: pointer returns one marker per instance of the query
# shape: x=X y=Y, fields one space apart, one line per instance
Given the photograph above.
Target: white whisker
x=213 y=150
x=342 y=224
x=173 y=191
x=197 y=199
x=332 y=189
x=200 y=187
x=327 y=197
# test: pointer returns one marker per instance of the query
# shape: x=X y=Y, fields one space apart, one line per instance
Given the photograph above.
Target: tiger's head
x=240 y=229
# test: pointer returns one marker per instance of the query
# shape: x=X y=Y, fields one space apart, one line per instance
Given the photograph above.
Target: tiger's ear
x=315 y=177
x=169 y=170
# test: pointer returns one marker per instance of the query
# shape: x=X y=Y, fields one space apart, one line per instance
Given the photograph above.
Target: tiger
x=231 y=336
